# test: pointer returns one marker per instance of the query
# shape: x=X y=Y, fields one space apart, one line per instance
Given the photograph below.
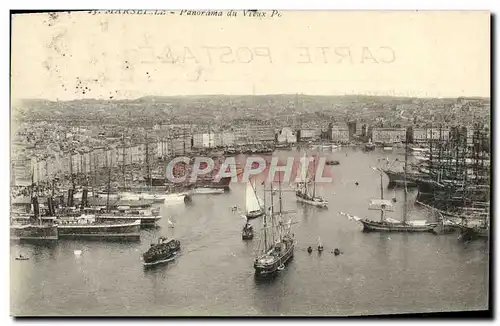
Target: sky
x=124 y=56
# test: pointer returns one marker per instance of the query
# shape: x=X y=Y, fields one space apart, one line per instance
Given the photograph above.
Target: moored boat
x=207 y=191
x=34 y=232
x=86 y=227
x=33 y=227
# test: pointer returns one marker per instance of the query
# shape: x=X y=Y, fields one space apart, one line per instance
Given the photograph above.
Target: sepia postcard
x=250 y=163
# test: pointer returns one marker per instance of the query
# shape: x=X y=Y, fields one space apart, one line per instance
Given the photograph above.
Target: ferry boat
x=164 y=251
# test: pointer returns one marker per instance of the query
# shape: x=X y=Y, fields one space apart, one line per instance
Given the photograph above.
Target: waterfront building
x=388 y=135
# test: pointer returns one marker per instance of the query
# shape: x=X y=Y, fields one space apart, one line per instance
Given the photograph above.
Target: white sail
x=302 y=175
x=252 y=200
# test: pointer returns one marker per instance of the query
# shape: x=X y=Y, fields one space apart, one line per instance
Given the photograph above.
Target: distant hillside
x=218 y=107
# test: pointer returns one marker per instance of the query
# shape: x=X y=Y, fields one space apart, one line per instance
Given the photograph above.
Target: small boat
x=77 y=252
x=21 y=257
x=247 y=232
x=320 y=246
x=162 y=252
x=309 y=249
x=387 y=148
x=336 y=252
x=369 y=146
x=332 y=162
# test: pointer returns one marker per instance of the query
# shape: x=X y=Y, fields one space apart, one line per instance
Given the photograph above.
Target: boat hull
x=471 y=233
x=372 y=226
x=146 y=221
x=247 y=236
x=161 y=261
x=264 y=270
x=396 y=178
x=253 y=215
x=312 y=202
x=208 y=191
x=34 y=233
x=112 y=231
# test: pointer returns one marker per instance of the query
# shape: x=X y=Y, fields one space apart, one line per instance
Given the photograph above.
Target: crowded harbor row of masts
x=453 y=180
x=87 y=214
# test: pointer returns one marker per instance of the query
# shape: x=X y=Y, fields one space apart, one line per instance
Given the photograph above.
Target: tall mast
x=279 y=190
x=255 y=193
x=381 y=194
x=314 y=177
x=272 y=212
x=307 y=173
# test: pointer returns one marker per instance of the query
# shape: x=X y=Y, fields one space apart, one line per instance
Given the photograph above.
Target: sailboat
x=302 y=193
x=388 y=224
x=253 y=206
x=277 y=243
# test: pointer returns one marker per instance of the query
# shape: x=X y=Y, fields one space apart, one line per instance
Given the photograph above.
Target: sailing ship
x=277 y=243
x=163 y=251
x=388 y=224
x=303 y=194
x=253 y=206
x=458 y=180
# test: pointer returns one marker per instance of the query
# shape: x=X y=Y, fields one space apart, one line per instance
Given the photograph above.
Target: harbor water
x=377 y=273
